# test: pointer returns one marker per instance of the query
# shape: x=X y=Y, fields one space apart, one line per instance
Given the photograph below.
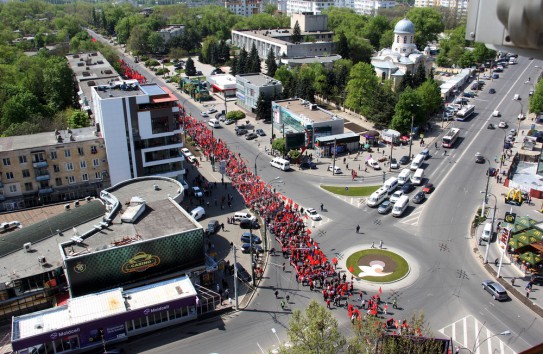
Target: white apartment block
x=371 y=7
x=461 y=5
x=171 y=31
x=244 y=7
x=305 y=6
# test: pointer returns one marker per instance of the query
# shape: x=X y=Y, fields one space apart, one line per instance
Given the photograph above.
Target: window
x=56 y=168
x=28 y=186
x=83 y=164
x=95 y=162
x=9 y=175
x=80 y=151
x=53 y=155
x=6 y=161
x=94 y=150
x=85 y=177
x=13 y=188
x=97 y=175
x=22 y=159
x=58 y=181
x=398 y=39
x=71 y=179
x=404 y=39
x=26 y=173
x=160 y=125
x=67 y=153
x=69 y=166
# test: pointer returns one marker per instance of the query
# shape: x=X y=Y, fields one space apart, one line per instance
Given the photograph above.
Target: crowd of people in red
x=128 y=72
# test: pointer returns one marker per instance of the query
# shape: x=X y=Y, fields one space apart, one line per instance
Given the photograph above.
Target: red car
x=428 y=188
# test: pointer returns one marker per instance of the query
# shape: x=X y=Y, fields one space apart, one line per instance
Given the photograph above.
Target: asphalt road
x=448 y=288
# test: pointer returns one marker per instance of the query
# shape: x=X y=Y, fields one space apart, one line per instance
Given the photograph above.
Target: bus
x=450 y=138
x=465 y=112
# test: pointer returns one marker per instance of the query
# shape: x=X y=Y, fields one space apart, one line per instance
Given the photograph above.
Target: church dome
x=404 y=26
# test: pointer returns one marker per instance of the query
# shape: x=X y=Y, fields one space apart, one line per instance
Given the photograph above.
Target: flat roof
x=303 y=109
x=223 y=81
x=323 y=59
x=277 y=35
x=100 y=305
x=330 y=138
x=41 y=140
x=258 y=79
x=121 y=88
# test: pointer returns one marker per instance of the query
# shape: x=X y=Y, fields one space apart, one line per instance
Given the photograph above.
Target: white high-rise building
x=305 y=6
x=244 y=7
x=461 y=5
x=371 y=7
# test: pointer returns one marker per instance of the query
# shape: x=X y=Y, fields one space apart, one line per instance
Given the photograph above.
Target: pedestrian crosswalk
x=471 y=335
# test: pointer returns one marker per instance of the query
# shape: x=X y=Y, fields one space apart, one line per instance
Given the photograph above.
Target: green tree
x=296 y=33
x=428 y=24
x=139 y=39
x=242 y=62
x=263 y=108
x=381 y=108
x=270 y=9
x=58 y=84
x=406 y=109
x=294 y=154
x=429 y=97
x=536 y=101
x=271 y=64
x=253 y=61
x=314 y=331
x=190 y=69
x=234 y=66
x=235 y=115
x=156 y=42
x=342 y=45
x=386 y=39
x=360 y=50
x=374 y=29
x=78 y=119
x=20 y=108
x=481 y=53
x=362 y=84
x=280 y=145
x=419 y=76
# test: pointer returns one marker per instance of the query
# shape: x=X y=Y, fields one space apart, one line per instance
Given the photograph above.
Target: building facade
x=372 y=7
x=393 y=63
x=249 y=87
x=141 y=130
x=51 y=167
x=223 y=85
x=244 y=7
x=300 y=116
x=171 y=31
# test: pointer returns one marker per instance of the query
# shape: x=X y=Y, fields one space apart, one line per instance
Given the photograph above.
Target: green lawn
x=362 y=191
x=402 y=267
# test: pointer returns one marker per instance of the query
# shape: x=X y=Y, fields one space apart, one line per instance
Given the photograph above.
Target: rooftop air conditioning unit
x=41 y=260
x=27 y=246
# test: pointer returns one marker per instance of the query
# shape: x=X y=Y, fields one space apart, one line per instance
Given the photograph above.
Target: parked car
x=394 y=164
x=497 y=291
x=492 y=91
x=419 y=198
x=242 y=273
x=204 y=114
x=495 y=76
x=241 y=131
x=491 y=172
x=537 y=279
x=260 y=132
x=211 y=111
x=251 y=136
x=247 y=236
x=248 y=224
x=502 y=125
x=213 y=226
x=336 y=169
x=404 y=160
x=407 y=187
x=197 y=192
x=428 y=188
x=229 y=121
x=307 y=164
x=312 y=214
x=397 y=195
x=191 y=158
x=246 y=248
x=385 y=207
x=469 y=94
x=186 y=152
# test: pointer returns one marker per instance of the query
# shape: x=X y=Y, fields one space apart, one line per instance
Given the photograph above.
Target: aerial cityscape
x=289 y=176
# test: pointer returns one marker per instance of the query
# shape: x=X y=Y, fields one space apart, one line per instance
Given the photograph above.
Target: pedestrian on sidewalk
x=513 y=281
x=373 y=245
x=528 y=293
x=282 y=304
x=283 y=266
x=385 y=308
x=394 y=304
x=276 y=294
x=357 y=229
x=381 y=244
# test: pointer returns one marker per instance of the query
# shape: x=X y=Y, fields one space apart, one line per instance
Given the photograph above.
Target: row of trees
x=452 y=50
x=245 y=63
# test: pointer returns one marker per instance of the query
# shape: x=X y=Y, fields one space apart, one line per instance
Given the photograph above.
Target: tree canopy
x=428 y=24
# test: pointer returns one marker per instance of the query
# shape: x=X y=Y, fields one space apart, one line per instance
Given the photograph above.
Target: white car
x=485 y=77
x=204 y=114
x=211 y=111
x=373 y=164
x=312 y=213
x=191 y=158
x=197 y=192
x=496 y=113
x=186 y=152
x=502 y=124
x=394 y=197
x=336 y=169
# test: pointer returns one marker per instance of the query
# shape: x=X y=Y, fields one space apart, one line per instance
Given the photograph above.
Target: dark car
x=247 y=236
x=537 y=279
x=407 y=187
x=306 y=165
x=479 y=158
x=240 y=126
x=243 y=275
x=491 y=91
x=404 y=160
x=491 y=172
x=260 y=132
x=246 y=248
x=385 y=207
x=241 y=131
x=213 y=226
x=248 y=224
x=497 y=291
x=507 y=145
x=468 y=94
x=419 y=198
x=251 y=136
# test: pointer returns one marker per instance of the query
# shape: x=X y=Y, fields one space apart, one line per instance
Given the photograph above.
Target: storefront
x=342 y=143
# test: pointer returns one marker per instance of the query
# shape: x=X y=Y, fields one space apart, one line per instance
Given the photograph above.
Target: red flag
x=351 y=269
x=93 y=39
x=380 y=291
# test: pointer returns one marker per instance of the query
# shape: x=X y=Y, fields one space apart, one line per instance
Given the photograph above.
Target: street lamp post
x=486 y=188
x=520 y=116
x=411 y=135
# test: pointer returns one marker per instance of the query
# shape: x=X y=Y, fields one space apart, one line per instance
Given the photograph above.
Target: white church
x=393 y=63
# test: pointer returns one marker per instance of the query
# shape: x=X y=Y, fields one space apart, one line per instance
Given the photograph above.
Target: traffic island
x=377 y=266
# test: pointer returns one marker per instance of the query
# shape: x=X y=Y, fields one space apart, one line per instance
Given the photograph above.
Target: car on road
x=394 y=197
x=497 y=291
x=242 y=273
x=495 y=76
x=197 y=192
x=260 y=132
x=307 y=164
x=496 y=113
x=186 y=152
x=251 y=136
x=428 y=188
x=502 y=125
x=229 y=121
x=492 y=91
x=479 y=158
x=404 y=160
x=469 y=94
x=241 y=131
x=407 y=187
x=213 y=226
x=385 y=207
x=204 y=114
x=248 y=224
x=312 y=214
x=246 y=248
x=191 y=158
x=419 y=198
x=336 y=169
x=394 y=164
x=211 y=111
x=247 y=236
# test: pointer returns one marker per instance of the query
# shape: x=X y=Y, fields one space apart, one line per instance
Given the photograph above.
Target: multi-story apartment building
x=171 y=31
x=301 y=6
x=244 y=7
x=51 y=167
x=364 y=7
x=371 y=7
x=459 y=6
x=141 y=130
x=249 y=87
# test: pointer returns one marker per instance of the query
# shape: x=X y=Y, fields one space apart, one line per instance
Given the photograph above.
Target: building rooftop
x=91 y=66
x=120 y=88
x=258 y=79
x=223 y=81
x=41 y=140
x=307 y=111
x=322 y=59
x=279 y=36
x=171 y=28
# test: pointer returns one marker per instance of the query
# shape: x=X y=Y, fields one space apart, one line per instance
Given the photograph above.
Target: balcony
x=44 y=177
x=40 y=164
x=47 y=190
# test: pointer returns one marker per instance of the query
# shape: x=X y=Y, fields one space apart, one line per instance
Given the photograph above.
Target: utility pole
x=411 y=135
x=492 y=223
x=334 y=163
x=236 y=278
x=486 y=189
x=253 y=263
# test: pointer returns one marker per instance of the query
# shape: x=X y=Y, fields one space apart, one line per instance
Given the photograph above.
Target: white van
x=390 y=185
x=214 y=123
x=377 y=197
x=400 y=206
x=280 y=163
x=373 y=164
x=404 y=176
x=198 y=213
x=240 y=215
x=487 y=232
x=417 y=161
x=417 y=177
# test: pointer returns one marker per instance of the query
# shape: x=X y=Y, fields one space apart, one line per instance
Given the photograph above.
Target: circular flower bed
x=378 y=266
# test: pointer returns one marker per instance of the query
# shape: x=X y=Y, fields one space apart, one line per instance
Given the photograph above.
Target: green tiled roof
x=34 y=233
